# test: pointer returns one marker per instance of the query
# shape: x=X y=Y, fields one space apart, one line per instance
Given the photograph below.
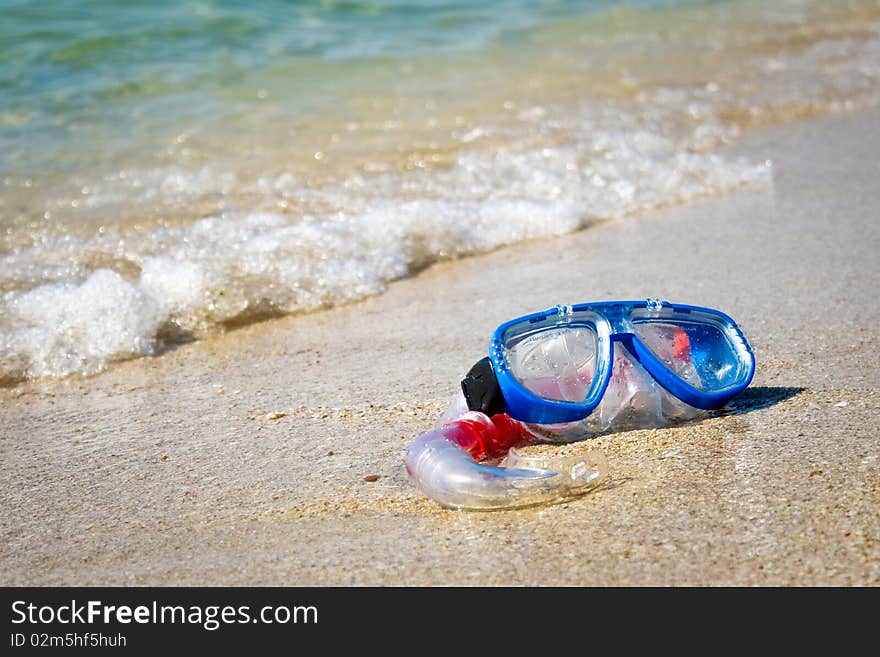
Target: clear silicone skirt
x=444 y=462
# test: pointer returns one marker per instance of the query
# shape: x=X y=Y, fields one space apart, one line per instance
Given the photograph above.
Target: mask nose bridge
x=622 y=332
x=621 y=327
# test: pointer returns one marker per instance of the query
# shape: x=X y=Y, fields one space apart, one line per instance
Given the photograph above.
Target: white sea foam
x=76 y=327
x=238 y=266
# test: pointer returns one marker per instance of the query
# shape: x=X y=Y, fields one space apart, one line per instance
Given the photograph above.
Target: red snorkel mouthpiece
x=485 y=437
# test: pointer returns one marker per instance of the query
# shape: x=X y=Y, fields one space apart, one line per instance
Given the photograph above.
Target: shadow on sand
x=754 y=399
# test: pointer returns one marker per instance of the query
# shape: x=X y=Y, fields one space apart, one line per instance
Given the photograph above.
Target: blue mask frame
x=613 y=321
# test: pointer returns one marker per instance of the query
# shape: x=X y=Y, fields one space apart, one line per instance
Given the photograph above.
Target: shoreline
x=317 y=181
x=166 y=471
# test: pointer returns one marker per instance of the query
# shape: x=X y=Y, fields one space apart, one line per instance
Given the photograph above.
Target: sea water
x=170 y=169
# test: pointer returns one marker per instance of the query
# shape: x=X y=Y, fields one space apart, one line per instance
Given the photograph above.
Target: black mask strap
x=481 y=389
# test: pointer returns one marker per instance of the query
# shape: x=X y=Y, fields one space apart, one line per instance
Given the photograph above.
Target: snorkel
x=590 y=369
x=443 y=463
x=446 y=463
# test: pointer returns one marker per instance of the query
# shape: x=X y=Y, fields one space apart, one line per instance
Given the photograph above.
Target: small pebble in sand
x=275 y=416
x=371 y=478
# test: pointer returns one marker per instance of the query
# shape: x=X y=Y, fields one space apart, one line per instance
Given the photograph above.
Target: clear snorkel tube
x=443 y=464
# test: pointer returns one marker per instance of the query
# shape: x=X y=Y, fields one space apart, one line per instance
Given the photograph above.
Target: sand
x=169 y=471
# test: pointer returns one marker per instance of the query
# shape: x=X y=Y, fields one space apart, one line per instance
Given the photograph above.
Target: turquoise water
x=172 y=169
x=78 y=70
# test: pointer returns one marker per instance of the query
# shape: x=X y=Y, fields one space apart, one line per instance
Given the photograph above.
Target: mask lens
x=556 y=363
x=699 y=353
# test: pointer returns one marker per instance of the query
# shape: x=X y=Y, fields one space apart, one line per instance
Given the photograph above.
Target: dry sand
x=167 y=470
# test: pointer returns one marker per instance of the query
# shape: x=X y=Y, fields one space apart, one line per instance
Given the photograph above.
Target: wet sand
x=168 y=470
